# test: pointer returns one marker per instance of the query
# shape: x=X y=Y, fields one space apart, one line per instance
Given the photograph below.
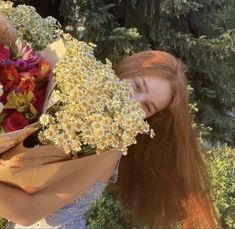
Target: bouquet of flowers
x=95 y=111
x=22 y=86
x=23 y=83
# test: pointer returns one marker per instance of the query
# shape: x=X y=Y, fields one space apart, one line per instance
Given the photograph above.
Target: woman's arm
x=26 y=209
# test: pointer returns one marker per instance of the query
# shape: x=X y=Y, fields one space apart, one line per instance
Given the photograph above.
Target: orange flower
x=44 y=69
x=9 y=76
x=27 y=82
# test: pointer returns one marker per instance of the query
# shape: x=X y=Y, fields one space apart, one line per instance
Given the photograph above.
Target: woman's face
x=153 y=93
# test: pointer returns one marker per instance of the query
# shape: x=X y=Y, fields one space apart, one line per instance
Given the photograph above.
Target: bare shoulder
x=112 y=161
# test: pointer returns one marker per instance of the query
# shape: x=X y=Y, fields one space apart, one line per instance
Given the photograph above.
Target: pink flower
x=4 y=53
x=28 y=58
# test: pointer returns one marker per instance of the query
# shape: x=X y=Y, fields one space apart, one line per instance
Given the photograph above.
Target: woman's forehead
x=158 y=91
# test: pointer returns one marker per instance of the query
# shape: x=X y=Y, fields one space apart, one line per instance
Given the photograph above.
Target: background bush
x=221 y=166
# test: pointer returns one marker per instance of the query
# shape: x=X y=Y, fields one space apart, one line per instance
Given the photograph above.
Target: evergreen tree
x=200 y=32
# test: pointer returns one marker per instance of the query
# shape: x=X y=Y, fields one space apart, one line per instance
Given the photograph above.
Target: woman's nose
x=137 y=97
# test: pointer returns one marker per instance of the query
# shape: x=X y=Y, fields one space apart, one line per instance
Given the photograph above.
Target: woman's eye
x=147 y=107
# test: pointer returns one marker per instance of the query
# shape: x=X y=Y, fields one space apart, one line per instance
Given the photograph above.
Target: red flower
x=4 y=53
x=44 y=70
x=3 y=98
x=39 y=98
x=27 y=82
x=9 y=76
x=15 y=121
x=8 y=111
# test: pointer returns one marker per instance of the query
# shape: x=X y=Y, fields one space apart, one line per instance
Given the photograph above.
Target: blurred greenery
x=221 y=165
x=106 y=212
x=202 y=34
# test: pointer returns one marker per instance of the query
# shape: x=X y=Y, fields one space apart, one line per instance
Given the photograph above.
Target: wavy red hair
x=163 y=180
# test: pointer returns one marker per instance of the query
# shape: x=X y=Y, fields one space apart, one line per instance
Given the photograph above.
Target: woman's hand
x=33 y=169
x=26 y=209
x=8 y=33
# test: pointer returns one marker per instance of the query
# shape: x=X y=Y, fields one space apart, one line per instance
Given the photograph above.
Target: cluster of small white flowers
x=5 y=6
x=96 y=107
x=46 y=119
x=31 y=26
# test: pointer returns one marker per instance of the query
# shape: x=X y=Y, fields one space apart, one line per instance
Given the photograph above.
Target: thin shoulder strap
x=114 y=176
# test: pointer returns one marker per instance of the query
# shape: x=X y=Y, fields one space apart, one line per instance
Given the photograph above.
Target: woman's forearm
x=65 y=191
x=18 y=206
x=26 y=209
x=15 y=204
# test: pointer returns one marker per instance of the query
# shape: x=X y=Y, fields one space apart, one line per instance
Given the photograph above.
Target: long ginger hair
x=163 y=180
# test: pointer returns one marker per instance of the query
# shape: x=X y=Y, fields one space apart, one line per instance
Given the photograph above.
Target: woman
x=161 y=180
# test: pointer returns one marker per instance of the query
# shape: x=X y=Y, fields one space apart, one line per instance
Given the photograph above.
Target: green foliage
x=107 y=213
x=179 y=7
x=96 y=24
x=221 y=167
